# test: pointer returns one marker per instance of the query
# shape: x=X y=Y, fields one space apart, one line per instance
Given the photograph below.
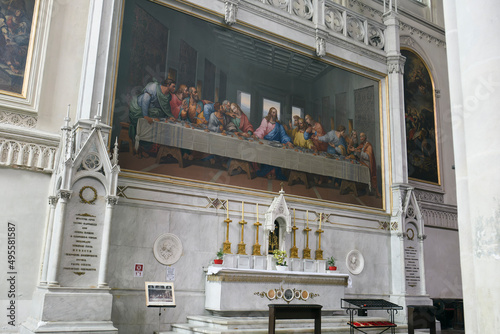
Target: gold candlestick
x=242 y=245
x=306 y=252
x=319 y=251
x=227 y=245
x=294 y=251
x=256 y=246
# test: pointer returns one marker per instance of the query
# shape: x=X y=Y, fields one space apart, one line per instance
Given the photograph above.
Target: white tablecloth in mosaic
x=262 y=151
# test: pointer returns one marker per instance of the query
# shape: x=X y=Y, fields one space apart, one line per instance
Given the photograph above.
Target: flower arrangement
x=331 y=263
x=220 y=254
x=280 y=257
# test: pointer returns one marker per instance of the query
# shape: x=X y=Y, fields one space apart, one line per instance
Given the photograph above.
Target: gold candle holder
x=319 y=251
x=226 y=246
x=294 y=251
x=242 y=245
x=256 y=246
x=306 y=252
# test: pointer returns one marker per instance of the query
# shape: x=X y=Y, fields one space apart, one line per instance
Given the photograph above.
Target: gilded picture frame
x=201 y=53
x=18 y=22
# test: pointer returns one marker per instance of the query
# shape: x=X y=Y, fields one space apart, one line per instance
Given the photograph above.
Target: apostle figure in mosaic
x=366 y=157
x=291 y=130
x=217 y=121
x=299 y=139
x=152 y=104
x=335 y=140
x=314 y=131
x=241 y=123
x=192 y=108
x=180 y=94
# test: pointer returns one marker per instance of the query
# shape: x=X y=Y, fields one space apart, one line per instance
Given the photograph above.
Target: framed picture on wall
x=242 y=153
x=160 y=294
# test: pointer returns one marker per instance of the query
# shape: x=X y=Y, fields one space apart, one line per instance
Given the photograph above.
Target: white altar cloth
x=232 y=289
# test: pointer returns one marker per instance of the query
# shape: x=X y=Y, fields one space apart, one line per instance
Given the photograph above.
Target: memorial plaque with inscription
x=83 y=226
x=412 y=263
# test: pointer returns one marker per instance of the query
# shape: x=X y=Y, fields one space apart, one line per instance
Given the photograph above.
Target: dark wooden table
x=286 y=311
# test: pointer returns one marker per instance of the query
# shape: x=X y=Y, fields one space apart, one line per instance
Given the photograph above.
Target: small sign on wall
x=139 y=270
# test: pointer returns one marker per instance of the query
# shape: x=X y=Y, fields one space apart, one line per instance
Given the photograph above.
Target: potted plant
x=220 y=255
x=280 y=257
x=331 y=263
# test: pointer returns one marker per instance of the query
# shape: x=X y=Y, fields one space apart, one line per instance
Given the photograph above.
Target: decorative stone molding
x=320 y=43
x=230 y=11
x=422 y=35
x=422 y=237
x=112 y=200
x=407 y=41
x=26 y=155
x=334 y=22
x=16 y=119
x=433 y=217
x=395 y=64
x=52 y=200
x=303 y=9
x=64 y=194
x=365 y=8
x=426 y=196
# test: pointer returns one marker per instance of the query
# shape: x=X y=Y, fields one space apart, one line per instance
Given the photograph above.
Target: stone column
x=474 y=75
x=48 y=239
x=111 y=201
x=56 y=243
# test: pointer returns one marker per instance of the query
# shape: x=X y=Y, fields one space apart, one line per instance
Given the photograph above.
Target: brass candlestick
x=242 y=245
x=256 y=246
x=306 y=252
x=227 y=245
x=319 y=251
x=294 y=251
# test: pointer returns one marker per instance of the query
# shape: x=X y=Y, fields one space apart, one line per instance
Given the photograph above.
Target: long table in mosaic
x=186 y=136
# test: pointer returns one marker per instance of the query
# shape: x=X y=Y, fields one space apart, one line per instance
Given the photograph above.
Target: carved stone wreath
x=167 y=249
x=88 y=195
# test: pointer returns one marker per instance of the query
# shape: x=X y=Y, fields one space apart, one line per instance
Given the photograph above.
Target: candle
x=257 y=211
x=227 y=209
x=320 y=220
x=242 y=210
x=307 y=218
x=293 y=216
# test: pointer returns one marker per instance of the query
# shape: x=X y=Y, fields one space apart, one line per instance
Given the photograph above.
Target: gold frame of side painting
x=18 y=22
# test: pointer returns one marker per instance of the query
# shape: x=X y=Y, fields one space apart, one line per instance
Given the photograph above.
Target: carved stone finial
x=230 y=9
x=320 y=47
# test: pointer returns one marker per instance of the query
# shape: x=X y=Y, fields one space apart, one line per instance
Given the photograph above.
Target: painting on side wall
x=17 y=23
x=215 y=125
x=421 y=143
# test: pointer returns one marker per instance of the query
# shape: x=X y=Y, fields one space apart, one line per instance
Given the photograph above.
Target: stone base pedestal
x=70 y=310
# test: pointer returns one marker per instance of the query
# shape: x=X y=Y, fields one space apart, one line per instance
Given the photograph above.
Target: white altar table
x=247 y=290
